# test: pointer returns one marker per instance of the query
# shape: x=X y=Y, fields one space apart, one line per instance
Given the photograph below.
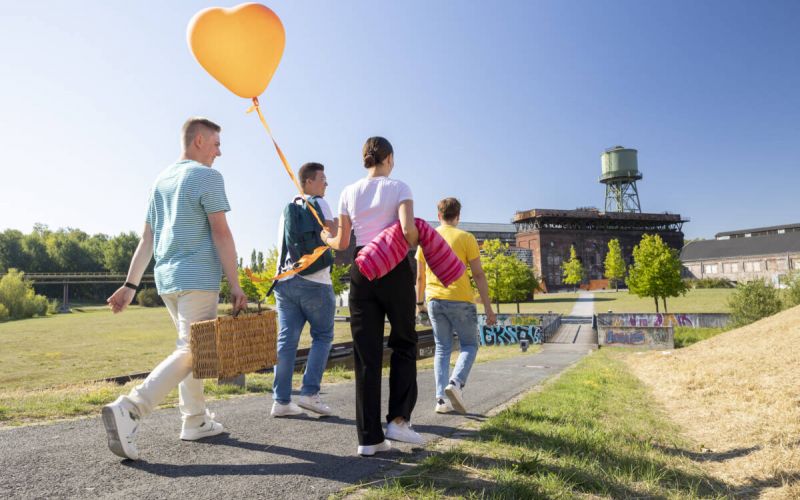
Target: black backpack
x=301 y=235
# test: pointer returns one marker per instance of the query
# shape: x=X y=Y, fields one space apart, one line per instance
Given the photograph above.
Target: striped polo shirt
x=180 y=201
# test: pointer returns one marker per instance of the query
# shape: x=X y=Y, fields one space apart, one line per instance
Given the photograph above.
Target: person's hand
x=121 y=298
x=324 y=235
x=238 y=299
x=491 y=317
x=422 y=309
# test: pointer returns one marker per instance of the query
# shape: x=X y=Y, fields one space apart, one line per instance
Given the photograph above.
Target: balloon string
x=306 y=260
x=255 y=107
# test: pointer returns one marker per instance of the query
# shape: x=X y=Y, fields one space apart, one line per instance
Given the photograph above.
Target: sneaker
x=453 y=391
x=315 y=404
x=369 y=450
x=403 y=432
x=121 y=421
x=207 y=429
x=285 y=410
x=442 y=406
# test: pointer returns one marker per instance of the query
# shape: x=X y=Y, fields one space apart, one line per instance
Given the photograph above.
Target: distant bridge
x=67 y=279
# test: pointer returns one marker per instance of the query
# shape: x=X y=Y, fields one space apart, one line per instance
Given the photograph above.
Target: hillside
x=737 y=395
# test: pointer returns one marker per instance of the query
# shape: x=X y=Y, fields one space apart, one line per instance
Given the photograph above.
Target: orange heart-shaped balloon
x=240 y=47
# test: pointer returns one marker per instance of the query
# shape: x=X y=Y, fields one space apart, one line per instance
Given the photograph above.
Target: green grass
x=686 y=336
x=594 y=432
x=695 y=301
x=711 y=300
x=91 y=344
x=22 y=406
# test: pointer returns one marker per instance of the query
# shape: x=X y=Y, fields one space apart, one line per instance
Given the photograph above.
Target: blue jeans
x=299 y=300
x=448 y=316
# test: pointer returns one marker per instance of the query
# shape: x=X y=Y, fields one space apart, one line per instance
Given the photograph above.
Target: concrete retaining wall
x=652 y=337
x=505 y=332
x=704 y=320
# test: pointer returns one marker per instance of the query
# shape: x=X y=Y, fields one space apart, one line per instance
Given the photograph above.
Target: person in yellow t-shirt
x=452 y=309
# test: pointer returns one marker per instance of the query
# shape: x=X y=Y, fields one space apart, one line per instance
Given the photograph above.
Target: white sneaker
x=369 y=450
x=121 y=420
x=442 y=406
x=455 y=396
x=207 y=429
x=403 y=432
x=315 y=404
x=287 y=410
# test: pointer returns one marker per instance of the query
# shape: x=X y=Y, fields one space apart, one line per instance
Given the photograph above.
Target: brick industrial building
x=549 y=234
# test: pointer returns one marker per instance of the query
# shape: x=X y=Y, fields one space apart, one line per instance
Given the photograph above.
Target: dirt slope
x=738 y=396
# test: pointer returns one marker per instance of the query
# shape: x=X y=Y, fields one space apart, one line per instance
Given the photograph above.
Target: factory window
x=710 y=269
x=752 y=267
x=730 y=268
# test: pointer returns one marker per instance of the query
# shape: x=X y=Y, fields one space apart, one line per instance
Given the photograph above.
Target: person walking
x=187 y=232
x=304 y=297
x=369 y=206
x=452 y=309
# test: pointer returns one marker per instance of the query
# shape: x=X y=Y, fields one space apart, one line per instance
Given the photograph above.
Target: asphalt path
x=258 y=456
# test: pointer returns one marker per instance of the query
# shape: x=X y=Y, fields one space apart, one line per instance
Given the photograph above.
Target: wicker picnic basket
x=232 y=345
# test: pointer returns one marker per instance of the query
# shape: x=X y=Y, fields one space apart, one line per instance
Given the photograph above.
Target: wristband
x=130 y=285
x=421 y=303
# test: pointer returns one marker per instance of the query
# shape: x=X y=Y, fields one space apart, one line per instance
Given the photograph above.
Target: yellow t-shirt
x=466 y=248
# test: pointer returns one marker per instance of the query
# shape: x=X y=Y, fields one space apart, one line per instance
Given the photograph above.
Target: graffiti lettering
x=509 y=334
x=624 y=338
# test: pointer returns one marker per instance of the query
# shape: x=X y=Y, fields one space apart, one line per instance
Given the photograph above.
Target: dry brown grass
x=738 y=396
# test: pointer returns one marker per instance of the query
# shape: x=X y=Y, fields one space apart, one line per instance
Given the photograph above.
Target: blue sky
x=505 y=105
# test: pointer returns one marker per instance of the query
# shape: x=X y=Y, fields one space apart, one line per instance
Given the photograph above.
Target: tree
x=509 y=279
x=338 y=272
x=752 y=301
x=18 y=298
x=260 y=261
x=572 y=269
x=118 y=252
x=254 y=260
x=614 y=263
x=656 y=271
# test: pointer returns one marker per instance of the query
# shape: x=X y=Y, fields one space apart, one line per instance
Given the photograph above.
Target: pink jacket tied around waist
x=389 y=248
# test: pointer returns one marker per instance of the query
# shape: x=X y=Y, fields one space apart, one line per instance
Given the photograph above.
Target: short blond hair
x=193 y=126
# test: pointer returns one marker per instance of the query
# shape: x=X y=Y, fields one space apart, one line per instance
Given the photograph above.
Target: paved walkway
x=260 y=457
x=584 y=306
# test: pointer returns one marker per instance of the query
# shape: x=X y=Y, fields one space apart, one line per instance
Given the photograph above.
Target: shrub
x=3 y=313
x=53 y=306
x=18 y=298
x=712 y=283
x=148 y=297
x=792 y=291
x=752 y=301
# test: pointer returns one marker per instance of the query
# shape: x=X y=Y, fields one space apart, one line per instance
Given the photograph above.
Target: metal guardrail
x=550 y=325
x=80 y=278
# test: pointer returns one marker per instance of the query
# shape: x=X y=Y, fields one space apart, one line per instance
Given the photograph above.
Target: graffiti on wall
x=509 y=334
x=645 y=336
x=634 y=338
x=659 y=319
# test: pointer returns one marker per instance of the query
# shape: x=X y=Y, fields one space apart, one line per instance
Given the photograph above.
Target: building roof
x=482 y=227
x=593 y=213
x=742 y=247
x=768 y=229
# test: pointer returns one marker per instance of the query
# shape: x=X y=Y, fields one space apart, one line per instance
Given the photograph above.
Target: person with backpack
x=306 y=296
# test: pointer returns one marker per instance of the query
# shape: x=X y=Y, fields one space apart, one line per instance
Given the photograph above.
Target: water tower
x=620 y=171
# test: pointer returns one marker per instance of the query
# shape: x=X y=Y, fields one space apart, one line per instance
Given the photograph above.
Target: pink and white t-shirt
x=371 y=203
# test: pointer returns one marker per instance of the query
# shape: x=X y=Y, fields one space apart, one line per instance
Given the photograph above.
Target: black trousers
x=371 y=302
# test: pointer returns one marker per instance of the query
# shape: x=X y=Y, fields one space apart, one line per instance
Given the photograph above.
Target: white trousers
x=185 y=308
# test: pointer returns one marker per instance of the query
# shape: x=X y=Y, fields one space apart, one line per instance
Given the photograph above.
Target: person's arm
x=223 y=241
x=483 y=289
x=341 y=240
x=123 y=296
x=405 y=211
x=421 y=267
